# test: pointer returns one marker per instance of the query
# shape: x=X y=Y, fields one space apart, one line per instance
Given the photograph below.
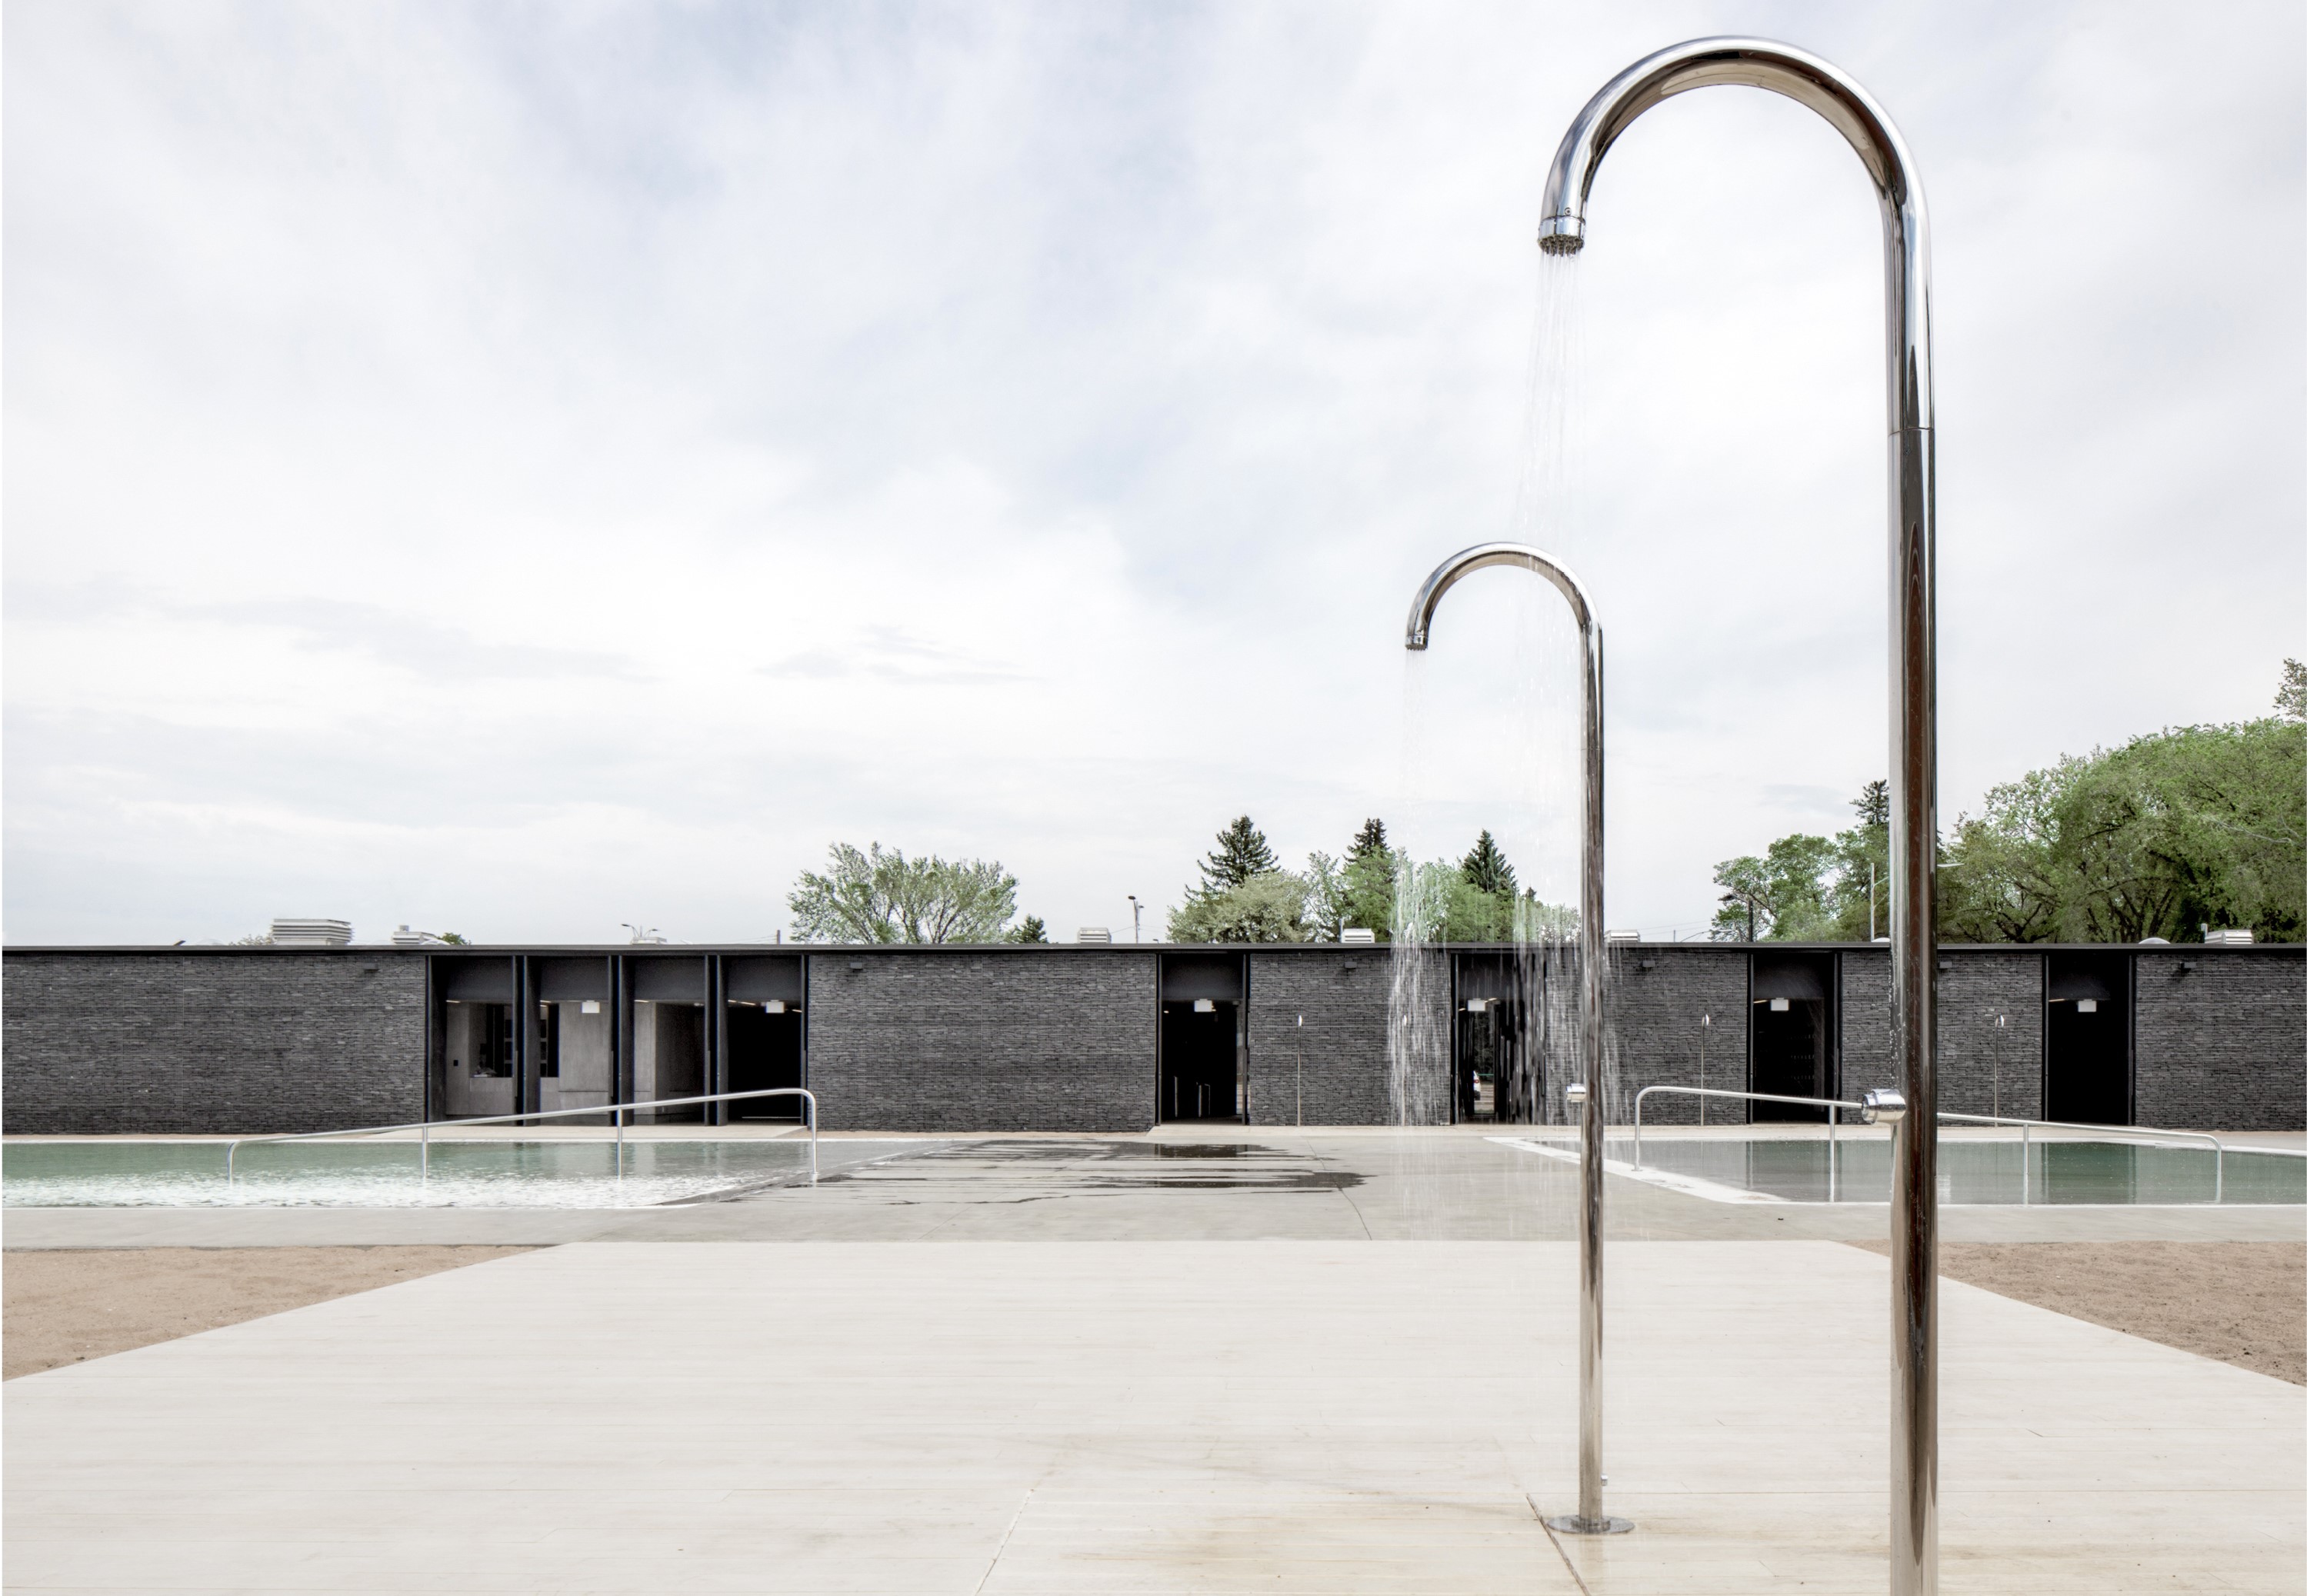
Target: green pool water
x=1859 y=1171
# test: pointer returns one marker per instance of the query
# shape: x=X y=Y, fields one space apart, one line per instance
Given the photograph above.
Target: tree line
x=1245 y=896
x=2173 y=833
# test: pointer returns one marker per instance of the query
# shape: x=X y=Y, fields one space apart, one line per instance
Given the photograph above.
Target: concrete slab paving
x=1293 y=1415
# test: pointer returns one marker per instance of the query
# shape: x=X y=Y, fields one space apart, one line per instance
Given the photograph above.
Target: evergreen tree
x=1486 y=868
x=1369 y=871
x=1242 y=853
x=1872 y=804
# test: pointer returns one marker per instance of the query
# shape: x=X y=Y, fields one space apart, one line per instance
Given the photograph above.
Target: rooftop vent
x=293 y=933
x=402 y=937
x=1623 y=936
x=2240 y=937
x=1358 y=933
x=1093 y=933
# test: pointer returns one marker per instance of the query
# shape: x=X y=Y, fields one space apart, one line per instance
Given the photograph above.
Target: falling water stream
x=1520 y=719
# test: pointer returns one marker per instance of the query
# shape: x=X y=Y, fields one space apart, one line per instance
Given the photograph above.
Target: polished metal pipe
x=1592 y=948
x=1800 y=76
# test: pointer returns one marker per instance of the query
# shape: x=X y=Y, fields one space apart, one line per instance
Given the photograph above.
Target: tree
x=1325 y=897
x=1029 y=930
x=2291 y=692
x=877 y=896
x=1242 y=853
x=1367 y=878
x=1780 y=896
x=453 y=939
x=1486 y=868
x=1874 y=805
x=1270 y=906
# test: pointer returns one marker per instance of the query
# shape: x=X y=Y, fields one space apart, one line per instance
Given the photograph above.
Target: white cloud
x=520 y=471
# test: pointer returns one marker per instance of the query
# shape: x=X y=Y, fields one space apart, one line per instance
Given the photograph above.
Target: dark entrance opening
x=1497 y=1060
x=1198 y=1062
x=1791 y=1034
x=763 y=1035
x=765 y=1052
x=2087 y=1038
x=1202 y=998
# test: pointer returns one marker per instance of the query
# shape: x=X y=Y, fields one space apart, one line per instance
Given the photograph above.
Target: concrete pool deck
x=1325 y=1416
x=1042 y=1364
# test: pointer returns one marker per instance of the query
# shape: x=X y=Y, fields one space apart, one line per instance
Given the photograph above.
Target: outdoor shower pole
x=1802 y=77
x=1590 y=1519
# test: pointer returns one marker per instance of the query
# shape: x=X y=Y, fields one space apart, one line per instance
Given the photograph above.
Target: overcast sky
x=518 y=469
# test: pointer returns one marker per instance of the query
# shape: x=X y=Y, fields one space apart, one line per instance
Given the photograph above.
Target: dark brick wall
x=265 y=1040
x=1064 y=1039
x=1869 y=1043
x=1655 y=1014
x=1979 y=1062
x=2223 y=1045
x=1342 y=992
x=1025 y=1040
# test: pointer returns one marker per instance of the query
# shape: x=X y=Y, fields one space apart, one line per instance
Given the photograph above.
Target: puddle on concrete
x=1124 y=1166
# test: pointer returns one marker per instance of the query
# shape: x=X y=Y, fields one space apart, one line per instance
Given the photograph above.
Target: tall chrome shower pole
x=1590 y=1518
x=1761 y=63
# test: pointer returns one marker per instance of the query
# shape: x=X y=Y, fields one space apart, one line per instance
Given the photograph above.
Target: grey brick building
x=1101 y=1038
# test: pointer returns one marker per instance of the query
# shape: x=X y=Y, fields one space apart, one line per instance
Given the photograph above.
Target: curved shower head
x=1700 y=64
x=1466 y=562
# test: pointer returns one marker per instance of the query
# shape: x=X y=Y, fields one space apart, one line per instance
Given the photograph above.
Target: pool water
x=1980 y=1172
x=493 y=1174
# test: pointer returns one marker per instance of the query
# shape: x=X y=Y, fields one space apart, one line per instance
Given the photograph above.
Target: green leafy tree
x=1029 y=930
x=1856 y=889
x=1780 y=896
x=1242 y=853
x=1368 y=877
x=2291 y=692
x=872 y=895
x=1486 y=867
x=1270 y=906
x=454 y=939
x=1325 y=897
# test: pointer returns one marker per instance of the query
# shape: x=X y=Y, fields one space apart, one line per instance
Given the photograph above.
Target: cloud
x=524 y=470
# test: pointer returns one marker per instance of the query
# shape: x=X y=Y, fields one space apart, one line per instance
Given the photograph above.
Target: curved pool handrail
x=424 y=1128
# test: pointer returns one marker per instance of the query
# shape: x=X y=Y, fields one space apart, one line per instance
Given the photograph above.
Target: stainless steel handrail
x=424 y=1128
x=2145 y=1133
x=1829 y=1104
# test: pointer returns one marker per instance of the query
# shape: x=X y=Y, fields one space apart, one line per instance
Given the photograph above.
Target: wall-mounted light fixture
x=774 y=1006
x=1205 y=1005
x=2086 y=1005
x=589 y=1006
x=1780 y=1005
x=1478 y=1005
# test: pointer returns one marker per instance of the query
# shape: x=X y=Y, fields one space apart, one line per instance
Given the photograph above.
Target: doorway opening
x=1791 y=1036
x=1202 y=995
x=2087 y=1038
x=764 y=1042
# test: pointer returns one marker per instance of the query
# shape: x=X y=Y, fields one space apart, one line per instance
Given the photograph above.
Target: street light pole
x=1136 y=918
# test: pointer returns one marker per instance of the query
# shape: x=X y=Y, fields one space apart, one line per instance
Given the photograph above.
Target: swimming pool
x=476 y=1174
x=1857 y=1170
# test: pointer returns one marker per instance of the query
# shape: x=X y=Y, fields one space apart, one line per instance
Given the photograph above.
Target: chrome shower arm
x=1802 y=77
x=1592 y=949
x=1762 y=63
x=1466 y=562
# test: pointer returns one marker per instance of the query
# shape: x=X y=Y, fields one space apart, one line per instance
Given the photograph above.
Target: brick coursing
x=200 y=1043
x=1066 y=1039
x=1062 y=1040
x=2223 y=1045
x=1655 y=1017
x=1342 y=992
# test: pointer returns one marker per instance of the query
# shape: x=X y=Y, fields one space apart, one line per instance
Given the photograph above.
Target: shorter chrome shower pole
x=1586 y=1093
